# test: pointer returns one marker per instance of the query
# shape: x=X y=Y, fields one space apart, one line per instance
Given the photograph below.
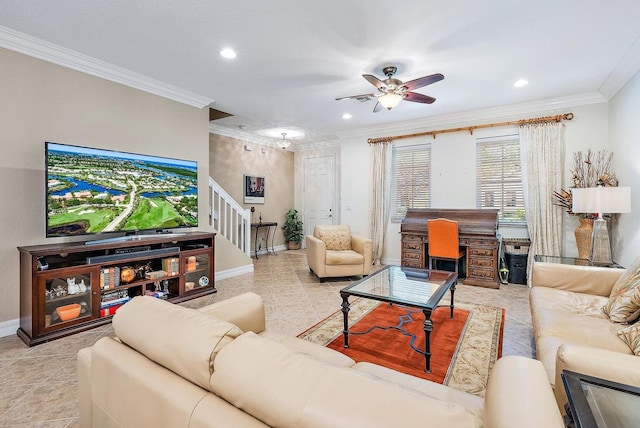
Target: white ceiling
x=296 y=56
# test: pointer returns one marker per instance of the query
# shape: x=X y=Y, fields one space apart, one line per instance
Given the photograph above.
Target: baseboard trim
x=9 y=328
x=230 y=273
x=387 y=261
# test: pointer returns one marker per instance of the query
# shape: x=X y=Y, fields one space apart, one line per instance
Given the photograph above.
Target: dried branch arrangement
x=592 y=169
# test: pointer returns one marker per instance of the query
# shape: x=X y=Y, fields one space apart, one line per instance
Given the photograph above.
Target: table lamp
x=600 y=200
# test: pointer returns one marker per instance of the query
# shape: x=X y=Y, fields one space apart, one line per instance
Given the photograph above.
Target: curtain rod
x=546 y=119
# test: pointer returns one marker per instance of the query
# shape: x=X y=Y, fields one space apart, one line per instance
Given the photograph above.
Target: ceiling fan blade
x=377 y=107
x=358 y=96
x=375 y=81
x=419 y=98
x=423 y=81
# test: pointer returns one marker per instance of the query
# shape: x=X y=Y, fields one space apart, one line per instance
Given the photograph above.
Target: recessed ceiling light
x=228 y=53
x=347 y=116
x=520 y=83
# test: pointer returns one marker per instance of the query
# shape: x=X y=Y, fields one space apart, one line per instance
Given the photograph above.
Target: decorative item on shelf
x=188 y=286
x=68 y=312
x=82 y=286
x=588 y=170
x=612 y=200
x=72 y=288
x=292 y=228
x=156 y=274
x=142 y=270
x=127 y=274
x=191 y=263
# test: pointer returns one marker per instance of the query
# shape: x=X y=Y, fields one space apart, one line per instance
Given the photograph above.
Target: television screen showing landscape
x=94 y=191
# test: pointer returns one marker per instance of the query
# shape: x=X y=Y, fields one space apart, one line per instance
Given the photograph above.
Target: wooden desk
x=268 y=225
x=477 y=230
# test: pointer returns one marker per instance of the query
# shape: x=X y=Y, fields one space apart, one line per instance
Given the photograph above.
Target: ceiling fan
x=392 y=91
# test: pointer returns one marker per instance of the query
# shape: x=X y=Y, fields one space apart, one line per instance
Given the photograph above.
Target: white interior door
x=319 y=191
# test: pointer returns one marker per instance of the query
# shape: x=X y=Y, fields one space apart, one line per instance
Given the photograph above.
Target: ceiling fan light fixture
x=390 y=100
x=284 y=143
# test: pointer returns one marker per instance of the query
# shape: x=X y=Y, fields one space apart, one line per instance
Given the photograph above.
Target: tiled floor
x=38 y=385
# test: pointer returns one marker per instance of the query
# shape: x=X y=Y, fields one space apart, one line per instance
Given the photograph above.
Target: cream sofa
x=170 y=366
x=332 y=251
x=570 y=329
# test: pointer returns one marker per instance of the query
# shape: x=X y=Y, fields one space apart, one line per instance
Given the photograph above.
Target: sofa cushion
x=183 y=340
x=631 y=336
x=561 y=316
x=345 y=257
x=335 y=237
x=472 y=403
x=287 y=389
x=312 y=350
x=624 y=302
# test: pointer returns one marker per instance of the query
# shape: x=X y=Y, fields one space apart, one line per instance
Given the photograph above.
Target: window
x=499 y=178
x=410 y=179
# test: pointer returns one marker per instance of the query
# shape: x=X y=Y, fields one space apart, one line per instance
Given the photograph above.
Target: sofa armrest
x=600 y=363
x=316 y=256
x=84 y=387
x=582 y=279
x=363 y=246
x=518 y=390
x=245 y=311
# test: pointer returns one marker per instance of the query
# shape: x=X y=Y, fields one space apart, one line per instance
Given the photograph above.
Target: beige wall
x=229 y=162
x=454 y=176
x=42 y=102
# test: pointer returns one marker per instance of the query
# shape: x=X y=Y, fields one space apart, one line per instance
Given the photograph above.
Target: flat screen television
x=95 y=191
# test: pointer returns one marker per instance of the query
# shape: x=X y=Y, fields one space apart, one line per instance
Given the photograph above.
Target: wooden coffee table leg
x=345 y=315
x=428 y=328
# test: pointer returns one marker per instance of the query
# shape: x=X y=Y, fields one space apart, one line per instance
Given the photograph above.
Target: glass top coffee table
x=417 y=288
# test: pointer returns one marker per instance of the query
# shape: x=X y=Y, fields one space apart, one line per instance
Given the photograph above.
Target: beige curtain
x=542 y=156
x=380 y=198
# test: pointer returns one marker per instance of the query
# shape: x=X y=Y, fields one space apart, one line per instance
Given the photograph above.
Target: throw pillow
x=624 y=301
x=631 y=336
x=336 y=238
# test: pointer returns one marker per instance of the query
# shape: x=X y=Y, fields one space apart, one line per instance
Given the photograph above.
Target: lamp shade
x=390 y=100
x=601 y=200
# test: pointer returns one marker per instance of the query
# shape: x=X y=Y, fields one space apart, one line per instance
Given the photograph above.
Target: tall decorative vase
x=583 y=237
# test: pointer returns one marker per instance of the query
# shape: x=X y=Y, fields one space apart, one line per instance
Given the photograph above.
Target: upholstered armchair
x=332 y=251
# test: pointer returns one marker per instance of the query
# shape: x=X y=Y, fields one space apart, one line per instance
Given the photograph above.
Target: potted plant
x=292 y=229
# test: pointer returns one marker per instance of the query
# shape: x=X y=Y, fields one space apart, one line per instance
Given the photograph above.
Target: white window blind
x=499 y=178
x=410 y=179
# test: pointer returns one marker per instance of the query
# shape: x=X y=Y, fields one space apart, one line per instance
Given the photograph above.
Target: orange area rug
x=463 y=348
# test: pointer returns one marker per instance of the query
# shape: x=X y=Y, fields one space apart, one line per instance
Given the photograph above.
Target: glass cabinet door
x=197 y=272
x=66 y=298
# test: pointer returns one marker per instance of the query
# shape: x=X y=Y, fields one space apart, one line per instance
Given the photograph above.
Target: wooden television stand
x=70 y=287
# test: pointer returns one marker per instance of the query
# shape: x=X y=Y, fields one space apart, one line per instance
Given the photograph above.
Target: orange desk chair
x=443 y=241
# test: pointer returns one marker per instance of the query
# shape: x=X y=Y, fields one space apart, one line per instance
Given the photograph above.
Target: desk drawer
x=482 y=262
x=412 y=245
x=412 y=263
x=484 y=273
x=483 y=252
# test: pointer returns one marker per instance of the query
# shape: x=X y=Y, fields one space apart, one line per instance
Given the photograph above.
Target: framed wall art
x=253 y=189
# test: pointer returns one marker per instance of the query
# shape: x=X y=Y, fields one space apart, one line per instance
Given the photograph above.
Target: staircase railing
x=229 y=218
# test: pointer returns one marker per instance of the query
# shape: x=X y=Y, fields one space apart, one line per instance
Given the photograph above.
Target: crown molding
x=507 y=112
x=246 y=137
x=37 y=48
x=624 y=71
x=249 y=137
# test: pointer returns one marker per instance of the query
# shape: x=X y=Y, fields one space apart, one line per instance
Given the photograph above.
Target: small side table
x=596 y=403
x=268 y=225
x=573 y=261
